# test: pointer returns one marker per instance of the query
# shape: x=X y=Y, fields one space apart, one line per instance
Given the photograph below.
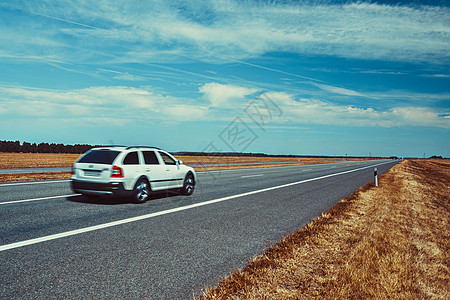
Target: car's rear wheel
x=189 y=185
x=141 y=191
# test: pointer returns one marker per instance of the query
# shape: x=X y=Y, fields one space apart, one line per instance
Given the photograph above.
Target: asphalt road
x=54 y=244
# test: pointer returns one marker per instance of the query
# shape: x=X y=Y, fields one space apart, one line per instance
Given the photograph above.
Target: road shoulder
x=385 y=242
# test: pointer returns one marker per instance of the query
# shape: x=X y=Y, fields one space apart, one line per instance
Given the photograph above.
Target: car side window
x=167 y=159
x=150 y=158
x=131 y=159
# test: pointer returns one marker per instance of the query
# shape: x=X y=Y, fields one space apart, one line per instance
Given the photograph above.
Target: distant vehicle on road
x=130 y=172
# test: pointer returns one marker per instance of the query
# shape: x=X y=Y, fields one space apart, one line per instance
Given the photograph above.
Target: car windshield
x=99 y=157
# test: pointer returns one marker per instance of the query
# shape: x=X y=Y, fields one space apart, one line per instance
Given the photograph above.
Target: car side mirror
x=179 y=162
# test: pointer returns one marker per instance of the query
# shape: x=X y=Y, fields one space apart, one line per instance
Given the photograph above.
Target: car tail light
x=111 y=187
x=116 y=172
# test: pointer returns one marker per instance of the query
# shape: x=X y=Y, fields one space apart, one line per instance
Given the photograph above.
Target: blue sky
x=279 y=77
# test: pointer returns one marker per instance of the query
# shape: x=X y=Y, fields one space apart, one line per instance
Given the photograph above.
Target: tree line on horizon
x=26 y=147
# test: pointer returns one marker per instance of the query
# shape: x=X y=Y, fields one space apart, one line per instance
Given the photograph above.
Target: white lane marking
x=248 y=176
x=164 y=212
x=39 y=182
x=38 y=199
x=306 y=170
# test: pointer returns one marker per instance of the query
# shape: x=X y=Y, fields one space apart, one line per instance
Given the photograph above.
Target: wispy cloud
x=336 y=90
x=232 y=30
x=437 y=75
x=66 y=21
x=405 y=96
x=124 y=75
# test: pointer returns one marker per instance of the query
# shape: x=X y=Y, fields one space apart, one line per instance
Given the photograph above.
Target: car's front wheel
x=189 y=185
x=141 y=191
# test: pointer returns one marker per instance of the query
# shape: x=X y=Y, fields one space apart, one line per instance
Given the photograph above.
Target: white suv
x=131 y=172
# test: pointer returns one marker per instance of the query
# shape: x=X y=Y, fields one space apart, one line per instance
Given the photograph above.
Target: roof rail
x=131 y=147
x=110 y=146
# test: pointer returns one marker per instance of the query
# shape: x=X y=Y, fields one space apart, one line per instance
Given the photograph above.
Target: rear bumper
x=100 y=189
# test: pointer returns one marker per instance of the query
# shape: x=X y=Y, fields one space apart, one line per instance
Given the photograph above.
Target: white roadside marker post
x=376 y=176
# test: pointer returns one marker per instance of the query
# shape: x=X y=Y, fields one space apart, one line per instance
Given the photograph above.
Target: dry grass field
x=390 y=242
x=36 y=160
x=248 y=159
x=56 y=160
x=34 y=176
x=245 y=166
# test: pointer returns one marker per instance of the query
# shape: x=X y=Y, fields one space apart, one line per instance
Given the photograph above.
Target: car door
x=155 y=170
x=131 y=169
x=173 y=177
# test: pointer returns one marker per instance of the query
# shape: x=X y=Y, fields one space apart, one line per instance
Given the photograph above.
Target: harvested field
x=230 y=167
x=34 y=176
x=56 y=160
x=66 y=175
x=211 y=160
x=387 y=242
x=36 y=160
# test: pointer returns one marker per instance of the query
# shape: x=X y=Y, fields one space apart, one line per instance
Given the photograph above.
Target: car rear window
x=99 y=157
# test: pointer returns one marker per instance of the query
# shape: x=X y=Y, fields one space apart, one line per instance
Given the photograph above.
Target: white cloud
x=225 y=95
x=179 y=112
x=280 y=98
x=302 y=110
x=419 y=116
x=315 y=111
x=124 y=103
x=131 y=105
